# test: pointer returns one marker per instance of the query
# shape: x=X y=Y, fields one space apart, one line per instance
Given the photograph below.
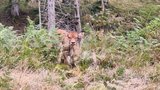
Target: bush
x=36 y=46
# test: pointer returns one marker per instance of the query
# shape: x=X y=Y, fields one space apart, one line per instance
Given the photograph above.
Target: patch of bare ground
x=19 y=23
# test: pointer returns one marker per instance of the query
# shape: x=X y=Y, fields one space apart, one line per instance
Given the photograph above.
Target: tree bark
x=102 y=5
x=40 y=17
x=77 y=3
x=51 y=15
x=15 y=9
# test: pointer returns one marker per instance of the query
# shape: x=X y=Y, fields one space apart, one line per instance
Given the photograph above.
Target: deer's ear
x=69 y=35
x=80 y=35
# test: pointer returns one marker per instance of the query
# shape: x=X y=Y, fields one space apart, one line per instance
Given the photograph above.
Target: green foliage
x=139 y=43
x=85 y=64
x=100 y=20
x=7 y=39
x=148 y=13
x=8 y=45
x=5 y=81
x=38 y=47
x=132 y=49
x=120 y=71
x=87 y=28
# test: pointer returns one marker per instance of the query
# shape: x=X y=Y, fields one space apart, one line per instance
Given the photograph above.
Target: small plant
x=5 y=81
x=120 y=71
x=148 y=13
x=84 y=64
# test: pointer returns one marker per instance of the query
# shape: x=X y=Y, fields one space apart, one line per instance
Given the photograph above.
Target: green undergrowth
x=105 y=56
x=36 y=47
x=134 y=49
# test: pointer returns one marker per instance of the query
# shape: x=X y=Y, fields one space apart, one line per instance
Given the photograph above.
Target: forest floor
x=73 y=79
x=19 y=23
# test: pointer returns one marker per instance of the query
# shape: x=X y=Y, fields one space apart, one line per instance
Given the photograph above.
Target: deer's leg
x=72 y=61
x=68 y=60
x=60 y=54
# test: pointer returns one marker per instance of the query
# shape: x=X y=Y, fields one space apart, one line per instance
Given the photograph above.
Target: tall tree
x=40 y=17
x=77 y=4
x=14 y=7
x=102 y=5
x=51 y=15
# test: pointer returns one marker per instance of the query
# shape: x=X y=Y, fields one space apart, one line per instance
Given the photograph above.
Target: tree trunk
x=14 y=8
x=40 y=17
x=102 y=5
x=78 y=15
x=51 y=15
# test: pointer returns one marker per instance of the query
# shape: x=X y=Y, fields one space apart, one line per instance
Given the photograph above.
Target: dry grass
x=126 y=4
x=91 y=79
x=33 y=80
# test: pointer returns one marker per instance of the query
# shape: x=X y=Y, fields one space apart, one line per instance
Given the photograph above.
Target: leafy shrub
x=120 y=71
x=36 y=46
x=5 y=81
x=148 y=13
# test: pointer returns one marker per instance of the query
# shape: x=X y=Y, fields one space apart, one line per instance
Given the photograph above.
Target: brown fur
x=69 y=47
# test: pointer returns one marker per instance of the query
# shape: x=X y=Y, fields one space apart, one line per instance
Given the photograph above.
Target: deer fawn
x=69 y=47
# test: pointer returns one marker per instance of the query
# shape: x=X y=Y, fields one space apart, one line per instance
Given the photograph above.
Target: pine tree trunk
x=51 y=15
